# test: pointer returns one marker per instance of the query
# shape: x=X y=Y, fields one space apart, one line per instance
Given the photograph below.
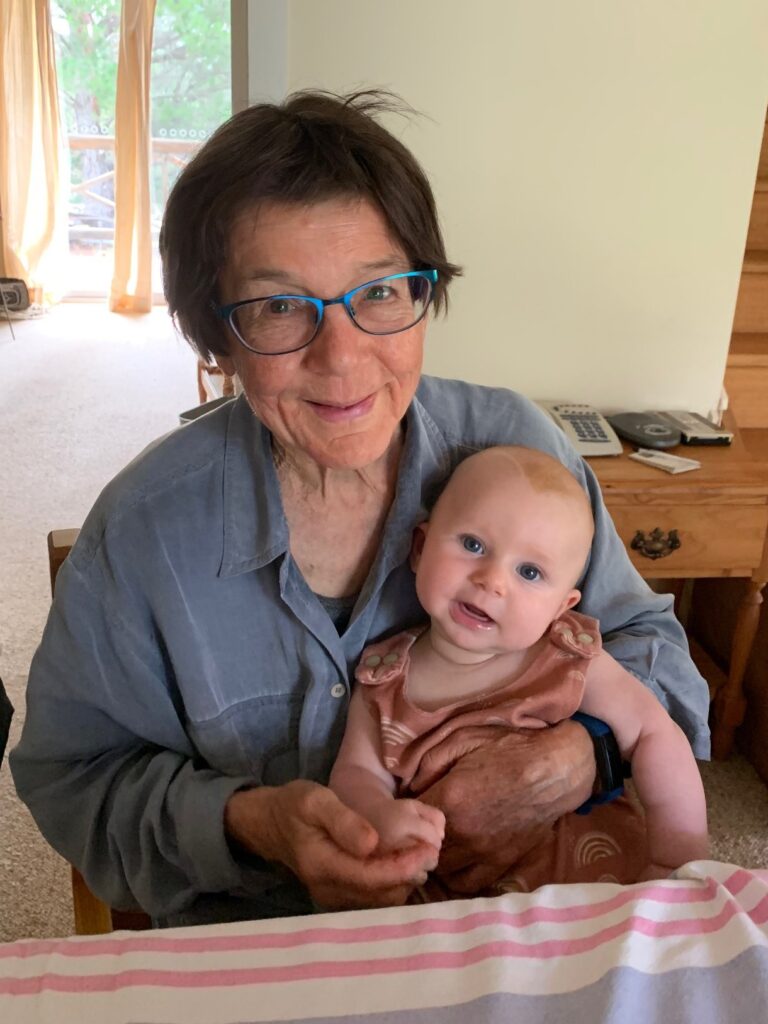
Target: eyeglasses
x=277 y=324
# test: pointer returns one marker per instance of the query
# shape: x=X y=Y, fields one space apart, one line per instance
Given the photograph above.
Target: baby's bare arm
x=664 y=770
x=360 y=779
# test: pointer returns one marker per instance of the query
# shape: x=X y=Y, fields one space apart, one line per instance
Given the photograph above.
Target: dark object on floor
x=6 y=713
x=14 y=294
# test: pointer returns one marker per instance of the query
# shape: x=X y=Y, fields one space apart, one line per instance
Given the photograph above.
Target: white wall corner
x=719 y=411
x=259 y=51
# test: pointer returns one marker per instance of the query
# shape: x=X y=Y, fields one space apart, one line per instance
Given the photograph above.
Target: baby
x=496 y=571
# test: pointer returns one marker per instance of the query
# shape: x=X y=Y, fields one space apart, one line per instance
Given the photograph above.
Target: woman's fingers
x=331 y=850
x=337 y=880
x=347 y=829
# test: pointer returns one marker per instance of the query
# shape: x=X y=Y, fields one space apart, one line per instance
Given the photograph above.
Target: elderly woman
x=190 y=692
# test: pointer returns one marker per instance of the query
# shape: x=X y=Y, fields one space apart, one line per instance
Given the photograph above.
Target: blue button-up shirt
x=185 y=656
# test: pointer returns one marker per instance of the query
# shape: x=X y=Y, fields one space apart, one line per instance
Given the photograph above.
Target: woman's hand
x=501 y=791
x=326 y=845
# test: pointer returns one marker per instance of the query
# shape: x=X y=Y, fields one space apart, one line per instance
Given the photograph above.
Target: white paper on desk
x=663 y=460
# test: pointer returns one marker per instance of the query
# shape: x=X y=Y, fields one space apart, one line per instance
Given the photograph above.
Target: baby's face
x=499 y=561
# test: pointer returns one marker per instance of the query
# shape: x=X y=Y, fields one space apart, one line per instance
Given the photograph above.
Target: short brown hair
x=312 y=147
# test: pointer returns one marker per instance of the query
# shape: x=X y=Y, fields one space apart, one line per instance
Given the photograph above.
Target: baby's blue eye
x=529 y=572
x=472 y=544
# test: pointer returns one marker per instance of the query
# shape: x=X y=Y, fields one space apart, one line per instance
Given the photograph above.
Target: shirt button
x=338 y=690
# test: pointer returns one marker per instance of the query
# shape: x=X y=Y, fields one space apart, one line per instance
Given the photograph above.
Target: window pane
x=190 y=90
x=86 y=34
x=190 y=95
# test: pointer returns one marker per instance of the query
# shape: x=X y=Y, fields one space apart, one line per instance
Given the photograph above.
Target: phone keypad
x=587 y=426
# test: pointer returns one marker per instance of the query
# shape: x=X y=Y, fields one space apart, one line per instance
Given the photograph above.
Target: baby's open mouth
x=475 y=613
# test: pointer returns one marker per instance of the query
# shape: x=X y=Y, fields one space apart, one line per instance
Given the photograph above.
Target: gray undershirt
x=338 y=609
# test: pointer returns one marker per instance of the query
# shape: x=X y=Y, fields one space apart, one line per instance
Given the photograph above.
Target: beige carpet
x=82 y=392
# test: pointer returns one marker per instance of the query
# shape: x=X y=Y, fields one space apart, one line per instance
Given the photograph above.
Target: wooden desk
x=720 y=515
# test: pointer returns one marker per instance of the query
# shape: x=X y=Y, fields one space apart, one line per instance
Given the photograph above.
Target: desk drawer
x=715 y=540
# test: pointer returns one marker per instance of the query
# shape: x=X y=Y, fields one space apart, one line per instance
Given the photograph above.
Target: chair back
x=92 y=915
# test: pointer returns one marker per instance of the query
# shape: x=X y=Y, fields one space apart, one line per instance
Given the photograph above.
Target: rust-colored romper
x=608 y=844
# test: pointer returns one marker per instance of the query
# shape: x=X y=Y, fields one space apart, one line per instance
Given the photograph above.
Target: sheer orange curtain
x=131 y=290
x=32 y=205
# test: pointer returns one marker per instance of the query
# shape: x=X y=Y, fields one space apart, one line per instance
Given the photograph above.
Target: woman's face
x=340 y=399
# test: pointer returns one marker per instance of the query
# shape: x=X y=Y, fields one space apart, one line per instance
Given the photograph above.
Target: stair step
x=747 y=388
x=757 y=234
x=762 y=163
x=751 y=313
x=755 y=261
x=748 y=350
x=746 y=379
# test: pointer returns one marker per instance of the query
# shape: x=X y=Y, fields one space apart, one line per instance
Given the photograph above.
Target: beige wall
x=593 y=164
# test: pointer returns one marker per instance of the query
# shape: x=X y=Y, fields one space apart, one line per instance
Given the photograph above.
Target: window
x=190 y=94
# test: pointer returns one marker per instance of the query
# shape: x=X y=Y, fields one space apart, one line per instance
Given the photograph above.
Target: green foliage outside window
x=190 y=64
x=190 y=87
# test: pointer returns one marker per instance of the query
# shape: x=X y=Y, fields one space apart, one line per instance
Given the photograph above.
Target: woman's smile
x=334 y=412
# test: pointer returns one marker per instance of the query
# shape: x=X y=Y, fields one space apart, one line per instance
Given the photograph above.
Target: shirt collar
x=255 y=530
x=254 y=524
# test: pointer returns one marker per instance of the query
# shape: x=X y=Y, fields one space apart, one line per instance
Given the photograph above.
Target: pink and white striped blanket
x=692 y=949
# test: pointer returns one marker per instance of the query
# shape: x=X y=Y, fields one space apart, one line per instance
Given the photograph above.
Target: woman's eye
x=529 y=572
x=472 y=544
x=280 y=307
x=378 y=293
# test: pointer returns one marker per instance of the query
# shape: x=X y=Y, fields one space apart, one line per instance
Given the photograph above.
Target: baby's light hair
x=542 y=472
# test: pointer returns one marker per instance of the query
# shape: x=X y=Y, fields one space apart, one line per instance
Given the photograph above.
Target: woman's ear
x=417 y=544
x=226 y=363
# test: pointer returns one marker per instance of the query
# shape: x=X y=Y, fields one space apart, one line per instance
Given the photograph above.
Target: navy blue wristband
x=611 y=769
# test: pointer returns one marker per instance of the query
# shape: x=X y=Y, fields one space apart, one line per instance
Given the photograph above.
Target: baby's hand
x=402 y=823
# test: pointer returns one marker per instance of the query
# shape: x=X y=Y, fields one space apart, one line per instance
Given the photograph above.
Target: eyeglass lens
x=285 y=323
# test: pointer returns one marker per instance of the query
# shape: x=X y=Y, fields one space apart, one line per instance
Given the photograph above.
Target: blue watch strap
x=611 y=769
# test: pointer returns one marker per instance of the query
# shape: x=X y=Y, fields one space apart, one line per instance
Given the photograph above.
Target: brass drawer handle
x=655 y=545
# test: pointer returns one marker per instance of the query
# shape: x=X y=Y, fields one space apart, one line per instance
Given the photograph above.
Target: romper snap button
x=338 y=690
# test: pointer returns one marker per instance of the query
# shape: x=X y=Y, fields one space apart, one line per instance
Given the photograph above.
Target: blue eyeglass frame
x=225 y=312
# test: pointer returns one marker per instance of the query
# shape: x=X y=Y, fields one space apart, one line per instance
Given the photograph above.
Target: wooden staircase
x=713 y=605
x=746 y=375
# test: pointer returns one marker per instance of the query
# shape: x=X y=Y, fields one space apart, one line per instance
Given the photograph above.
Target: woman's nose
x=339 y=344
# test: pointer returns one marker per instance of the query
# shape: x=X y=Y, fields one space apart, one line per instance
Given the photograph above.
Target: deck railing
x=93 y=222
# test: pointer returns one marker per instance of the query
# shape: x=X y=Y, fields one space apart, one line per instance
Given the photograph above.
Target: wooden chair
x=92 y=915
x=212 y=382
